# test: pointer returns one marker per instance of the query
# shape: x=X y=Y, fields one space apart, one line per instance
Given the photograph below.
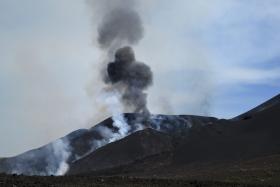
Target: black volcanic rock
x=137 y=146
x=241 y=139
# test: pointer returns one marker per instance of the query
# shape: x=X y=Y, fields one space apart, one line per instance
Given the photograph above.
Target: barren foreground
x=86 y=181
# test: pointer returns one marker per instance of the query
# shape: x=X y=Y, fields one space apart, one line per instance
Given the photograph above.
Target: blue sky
x=218 y=57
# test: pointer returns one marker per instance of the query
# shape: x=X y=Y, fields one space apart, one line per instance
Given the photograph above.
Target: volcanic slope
x=55 y=157
x=244 y=148
x=186 y=146
x=140 y=145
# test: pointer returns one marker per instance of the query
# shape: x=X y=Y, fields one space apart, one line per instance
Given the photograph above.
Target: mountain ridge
x=206 y=139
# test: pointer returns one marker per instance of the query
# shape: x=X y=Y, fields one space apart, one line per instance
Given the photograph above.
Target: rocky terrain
x=89 y=181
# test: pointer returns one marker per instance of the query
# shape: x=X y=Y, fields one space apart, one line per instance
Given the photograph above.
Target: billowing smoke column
x=121 y=26
x=133 y=77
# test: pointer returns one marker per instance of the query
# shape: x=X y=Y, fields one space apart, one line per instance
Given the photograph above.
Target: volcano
x=164 y=146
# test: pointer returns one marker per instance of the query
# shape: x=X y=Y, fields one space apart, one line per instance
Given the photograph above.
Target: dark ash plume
x=121 y=26
x=133 y=76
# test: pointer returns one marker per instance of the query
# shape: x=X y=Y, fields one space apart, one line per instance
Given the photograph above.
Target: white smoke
x=61 y=151
x=50 y=160
x=112 y=99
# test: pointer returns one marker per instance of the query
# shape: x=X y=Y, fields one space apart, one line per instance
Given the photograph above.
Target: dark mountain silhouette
x=48 y=160
x=220 y=141
x=270 y=103
x=138 y=146
x=180 y=145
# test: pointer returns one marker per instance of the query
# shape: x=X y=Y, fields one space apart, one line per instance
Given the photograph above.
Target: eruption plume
x=121 y=26
x=133 y=77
